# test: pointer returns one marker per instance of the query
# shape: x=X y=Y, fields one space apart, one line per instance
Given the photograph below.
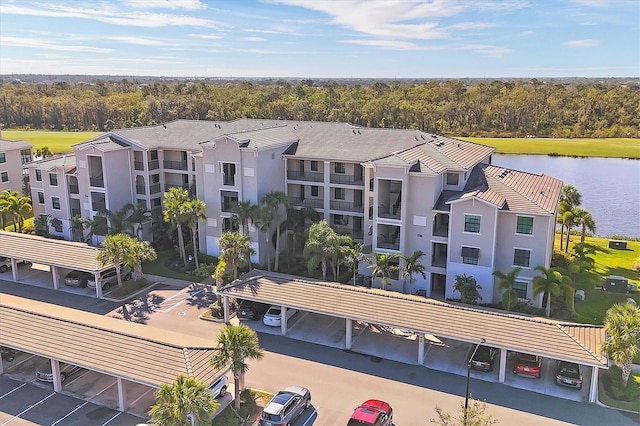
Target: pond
x=610 y=187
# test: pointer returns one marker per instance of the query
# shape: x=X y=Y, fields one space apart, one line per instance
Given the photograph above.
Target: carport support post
x=225 y=308
x=98 y=281
x=283 y=320
x=593 y=389
x=14 y=269
x=122 y=395
x=349 y=334
x=56 y=278
x=503 y=365
x=1 y=366
x=55 y=371
x=420 y=348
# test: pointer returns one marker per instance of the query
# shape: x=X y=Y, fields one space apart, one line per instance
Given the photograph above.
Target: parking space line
x=68 y=414
x=140 y=397
x=13 y=390
x=315 y=411
x=112 y=418
x=27 y=409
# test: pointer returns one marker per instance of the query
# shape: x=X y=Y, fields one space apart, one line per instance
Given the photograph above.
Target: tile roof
x=6 y=145
x=260 y=138
x=539 y=336
x=135 y=352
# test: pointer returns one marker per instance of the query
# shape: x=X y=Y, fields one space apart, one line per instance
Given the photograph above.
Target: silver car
x=110 y=278
x=44 y=373
x=286 y=406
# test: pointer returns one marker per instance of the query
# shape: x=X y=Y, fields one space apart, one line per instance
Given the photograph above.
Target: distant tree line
x=479 y=108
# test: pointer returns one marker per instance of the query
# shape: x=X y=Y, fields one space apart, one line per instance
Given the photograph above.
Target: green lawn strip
x=610 y=147
x=157 y=268
x=608 y=400
x=57 y=142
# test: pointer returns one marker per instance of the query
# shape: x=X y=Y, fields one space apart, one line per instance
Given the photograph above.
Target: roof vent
x=358 y=131
x=164 y=125
x=294 y=128
x=422 y=136
x=502 y=173
x=354 y=131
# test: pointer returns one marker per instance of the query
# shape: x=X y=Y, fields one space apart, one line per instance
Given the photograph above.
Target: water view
x=610 y=187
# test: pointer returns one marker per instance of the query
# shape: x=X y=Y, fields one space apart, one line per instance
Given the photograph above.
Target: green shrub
x=612 y=382
x=128 y=288
x=217 y=311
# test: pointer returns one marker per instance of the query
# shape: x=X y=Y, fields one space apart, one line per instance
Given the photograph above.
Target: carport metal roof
x=135 y=352
x=539 y=336
x=64 y=254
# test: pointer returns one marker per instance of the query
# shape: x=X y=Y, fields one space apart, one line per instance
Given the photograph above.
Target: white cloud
x=32 y=43
x=387 y=44
x=139 y=41
x=206 y=36
x=165 y=4
x=582 y=44
x=487 y=50
x=253 y=39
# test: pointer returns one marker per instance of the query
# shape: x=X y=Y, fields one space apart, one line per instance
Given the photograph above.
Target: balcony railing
x=97 y=181
x=175 y=165
x=140 y=189
x=383 y=243
x=228 y=205
x=346 y=206
x=154 y=164
x=73 y=189
x=138 y=165
x=306 y=176
x=308 y=202
x=346 y=179
x=440 y=231
x=154 y=188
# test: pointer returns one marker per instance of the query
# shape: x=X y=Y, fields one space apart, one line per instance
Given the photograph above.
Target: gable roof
x=260 y=138
x=64 y=161
x=7 y=145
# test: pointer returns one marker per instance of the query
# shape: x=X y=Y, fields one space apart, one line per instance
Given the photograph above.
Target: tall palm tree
x=505 y=284
x=236 y=344
x=174 y=214
x=585 y=221
x=352 y=257
x=139 y=215
x=383 y=266
x=263 y=221
x=468 y=288
x=194 y=212
x=244 y=211
x=138 y=252
x=234 y=248
x=550 y=283
x=17 y=206
x=622 y=324
x=186 y=396
x=77 y=228
x=276 y=199
x=570 y=198
x=568 y=221
x=320 y=247
x=413 y=266
x=118 y=220
x=114 y=250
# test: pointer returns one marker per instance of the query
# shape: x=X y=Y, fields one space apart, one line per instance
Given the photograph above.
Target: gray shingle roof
x=65 y=161
x=6 y=145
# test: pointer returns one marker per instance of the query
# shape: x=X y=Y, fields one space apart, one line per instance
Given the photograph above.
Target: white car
x=219 y=387
x=272 y=317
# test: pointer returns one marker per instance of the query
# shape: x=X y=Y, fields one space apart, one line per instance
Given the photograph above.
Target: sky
x=322 y=38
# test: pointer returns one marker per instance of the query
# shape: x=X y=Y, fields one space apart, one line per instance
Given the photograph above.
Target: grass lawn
x=57 y=142
x=604 y=397
x=251 y=409
x=611 y=147
x=157 y=268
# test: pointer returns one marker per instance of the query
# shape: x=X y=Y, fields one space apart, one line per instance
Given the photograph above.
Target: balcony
x=346 y=179
x=97 y=181
x=346 y=206
x=307 y=202
x=75 y=212
x=154 y=164
x=386 y=213
x=175 y=165
x=305 y=176
x=138 y=165
x=140 y=189
x=73 y=189
x=384 y=243
x=154 y=188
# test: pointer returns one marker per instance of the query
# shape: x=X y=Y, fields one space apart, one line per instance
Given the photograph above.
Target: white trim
x=514 y=255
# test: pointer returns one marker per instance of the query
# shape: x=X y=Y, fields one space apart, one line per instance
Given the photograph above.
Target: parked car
x=8 y=354
x=109 y=278
x=219 y=387
x=286 y=406
x=44 y=373
x=528 y=365
x=248 y=309
x=77 y=279
x=484 y=358
x=569 y=374
x=372 y=412
x=5 y=263
x=272 y=317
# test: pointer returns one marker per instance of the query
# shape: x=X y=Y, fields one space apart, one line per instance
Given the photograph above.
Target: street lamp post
x=466 y=393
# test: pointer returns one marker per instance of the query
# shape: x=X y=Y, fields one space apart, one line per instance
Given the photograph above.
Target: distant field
x=611 y=147
x=57 y=142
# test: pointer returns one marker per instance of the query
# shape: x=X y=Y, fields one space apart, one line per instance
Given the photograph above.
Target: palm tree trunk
x=183 y=255
x=548 y=307
x=561 y=237
x=566 y=246
x=626 y=371
x=276 y=266
x=324 y=269
x=194 y=235
x=236 y=391
x=583 y=235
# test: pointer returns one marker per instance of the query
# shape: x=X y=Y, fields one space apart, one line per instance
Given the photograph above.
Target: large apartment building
x=13 y=156
x=395 y=191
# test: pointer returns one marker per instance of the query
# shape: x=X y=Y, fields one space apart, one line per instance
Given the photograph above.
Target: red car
x=528 y=365
x=372 y=413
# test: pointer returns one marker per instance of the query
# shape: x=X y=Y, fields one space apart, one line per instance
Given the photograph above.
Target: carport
x=53 y=253
x=562 y=341
x=128 y=351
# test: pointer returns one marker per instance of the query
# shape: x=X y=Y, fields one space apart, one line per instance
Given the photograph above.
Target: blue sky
x=322 y=38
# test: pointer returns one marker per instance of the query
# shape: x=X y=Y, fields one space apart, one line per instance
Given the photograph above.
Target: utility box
x=616 y=284
x=618 y=245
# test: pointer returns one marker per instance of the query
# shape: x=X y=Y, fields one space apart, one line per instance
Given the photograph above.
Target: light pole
x=466 y=393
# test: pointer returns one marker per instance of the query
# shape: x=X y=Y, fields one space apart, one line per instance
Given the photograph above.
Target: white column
x=283 y=320
x=55 y=371
x=122 y=395
x=98 y=281
x=14 y=269
x=420 y=348
x=225 y=308
x=593 y=389
x=349 y=334
x=503 y=365
x=56 y=278
x=1 y=364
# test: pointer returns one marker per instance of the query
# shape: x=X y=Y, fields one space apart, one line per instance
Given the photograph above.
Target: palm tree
x=468 y=288
x=186 y=396
x=622 y=324
x=236 y=344
x=174 y=213
x=352 y=257
x=413 y=266
x=244 y=212
x=96 y=226
x=118 y=220
x=506 y=285
x=217 y=276
x=139 y=215
x=263 y=221
x=235 y=247
x=43 y=152
x=570 y=198
x=383 y=266
x=194 y=212
x=17 y=206
x=320 y=246
x=568 y=221
x=138 y=252
x=585 y=221
x=550 y=283
x=114 y=249
x=77 y=228
x=276 y=199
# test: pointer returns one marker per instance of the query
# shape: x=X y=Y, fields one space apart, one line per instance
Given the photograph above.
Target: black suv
x=483 y=359
x=569 y=374
x=251 y=310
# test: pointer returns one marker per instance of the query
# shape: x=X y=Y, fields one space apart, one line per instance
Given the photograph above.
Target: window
x=340 y=220
x=55 y=201
x=57 y=224
x=521 y=257
x=472 y=223
x=314 y=166
x=452 y=179
x=38 y=175
x=470 y=255
x=229 y=224
x=3 y=157
x=228 y=174
x=339 y=168
x=53 y=179
x=525 y=225
x=155 y=203
x=314 y=191
x=41 y=197
x=521 y=288
x=338 y=193
x=153 y=154
x=4 y=176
